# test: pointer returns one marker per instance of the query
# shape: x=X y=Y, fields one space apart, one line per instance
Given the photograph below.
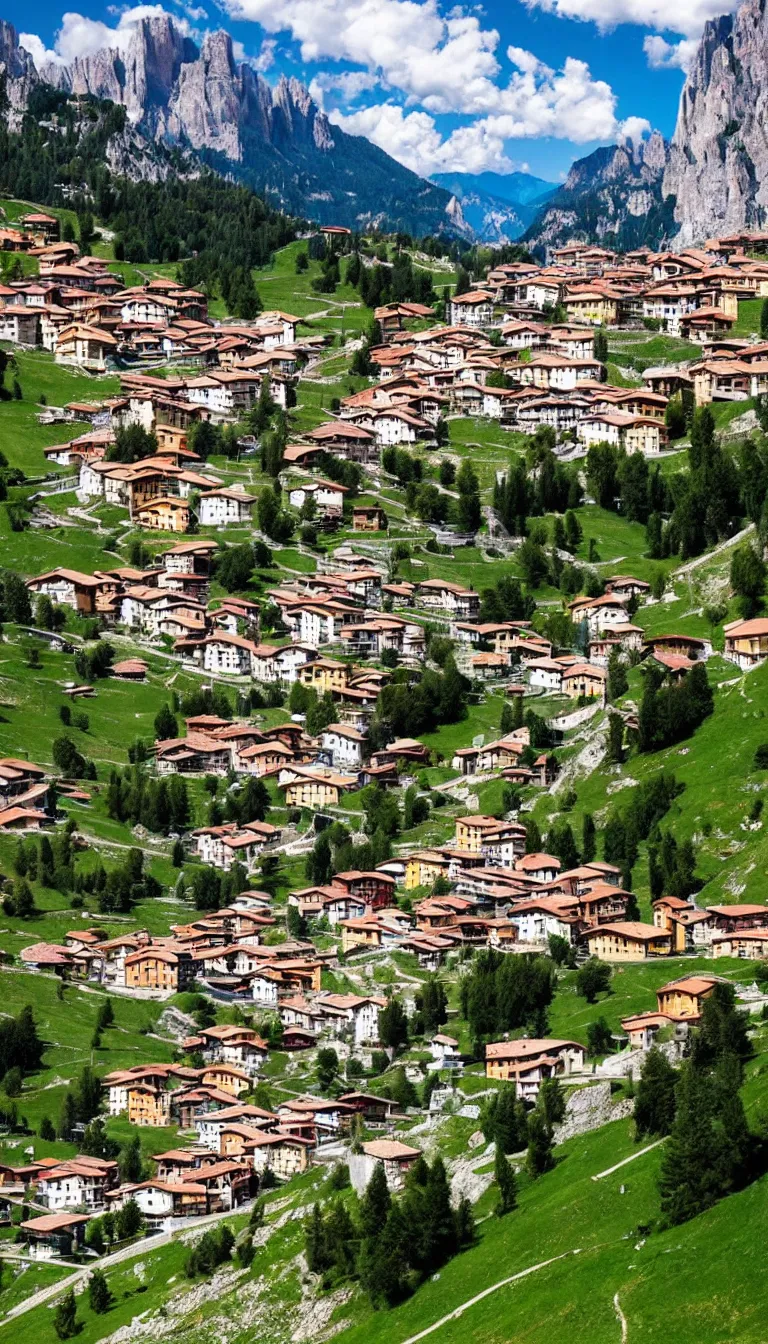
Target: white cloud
x=687 y=17
x=663 y=55
x=633 y=129
x=266 y=57
x=446 y=64
x=347 y=85
x=567 y=104
x=79 y=36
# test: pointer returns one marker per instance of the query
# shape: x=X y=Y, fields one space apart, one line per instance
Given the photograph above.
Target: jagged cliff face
x=718 y=162
x=180 y=93
x=613 y=196
x=201 y=100
x=19 y=70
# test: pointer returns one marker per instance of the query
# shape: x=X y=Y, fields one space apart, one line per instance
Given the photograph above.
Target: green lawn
x=720 y=787
x=22 y=439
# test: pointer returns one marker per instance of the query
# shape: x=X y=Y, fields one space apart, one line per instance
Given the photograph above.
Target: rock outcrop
x=718 y=160
x=613 y=196
x=18 y=70
x=201 y=100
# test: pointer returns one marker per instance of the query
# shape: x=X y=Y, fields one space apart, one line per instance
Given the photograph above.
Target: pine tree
x=615 y=753
x=506 y=1182
x=315 y=1242
x=551 y=1102
x=588 y=838
x=130 y=1161
x=375 y=1204
x=689 y=1180
x=509 y=1121
x=99 y=1296
x=540 y=1158
x=65 y=1321
x=67 y=1117
x=387 y=1276
x=655 y=1095
x=440 y=1242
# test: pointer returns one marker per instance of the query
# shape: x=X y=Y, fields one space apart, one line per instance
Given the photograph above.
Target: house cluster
x=501 y=333
x=85 y=315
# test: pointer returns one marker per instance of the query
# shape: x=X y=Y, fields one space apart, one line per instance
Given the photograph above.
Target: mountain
x=199 y=98
x=498 y=208
x=718 y=158
x=614 y=196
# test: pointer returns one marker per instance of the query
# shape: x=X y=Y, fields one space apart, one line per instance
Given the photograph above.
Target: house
x=68 y=588
x=582 y=679
x=746 y=642
x=92 y=348
x=361 y=1013
x=396 y=1158
x=369 y=518
x=445 y=1052
x=643 y=1028
x=328 y=497
x=158 y=970
x=77 y=1184
x=628 y=940
x=148 y=1105
x=502 y=841
x=316 y=788
x=164 y=514
x=528 y=1063
x=343 y=744
x=752 y=944
x=225 y=506
x=682 y=1000
x=55 y=1236
x=451 y=598
x=540 y=867
x=473 y=309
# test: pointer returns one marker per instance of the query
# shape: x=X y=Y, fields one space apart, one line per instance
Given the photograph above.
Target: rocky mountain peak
x=18 y=67
x=718 y=162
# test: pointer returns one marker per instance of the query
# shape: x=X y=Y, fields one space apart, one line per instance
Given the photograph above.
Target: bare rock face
x=200 y=97
x=201 y=101
x=19 y=70
x=613 y=195
x=718 y=161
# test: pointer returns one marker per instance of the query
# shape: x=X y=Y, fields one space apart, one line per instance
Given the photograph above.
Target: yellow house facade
x=683 y=999
x=316 y=793
x=324 y=675
x=628 y=941
x=149 y=1106
x=164 y=515
x=423 y=869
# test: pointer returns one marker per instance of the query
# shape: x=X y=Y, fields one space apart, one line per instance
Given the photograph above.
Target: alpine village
x=383 y=759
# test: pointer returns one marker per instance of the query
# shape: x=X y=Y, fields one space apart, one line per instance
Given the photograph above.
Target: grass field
x=720 y=787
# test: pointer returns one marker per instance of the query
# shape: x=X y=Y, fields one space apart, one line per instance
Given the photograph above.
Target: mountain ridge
x=277 y=140
x=613 y=196
x=718 y=159
x=498 y=208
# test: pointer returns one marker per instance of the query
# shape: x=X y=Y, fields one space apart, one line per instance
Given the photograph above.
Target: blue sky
x=443 y=87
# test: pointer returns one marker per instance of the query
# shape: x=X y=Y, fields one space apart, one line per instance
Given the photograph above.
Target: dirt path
x=632 y=1158
x=137 y=1248
x=502 y=1283
x=622 y=1318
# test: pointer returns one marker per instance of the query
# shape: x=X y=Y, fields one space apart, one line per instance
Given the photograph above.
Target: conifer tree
x=540 y=1158
x=99 y=1296
x=65 y=1321
x=506 y=1182
x=689 y=1179
x=655 y=1095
